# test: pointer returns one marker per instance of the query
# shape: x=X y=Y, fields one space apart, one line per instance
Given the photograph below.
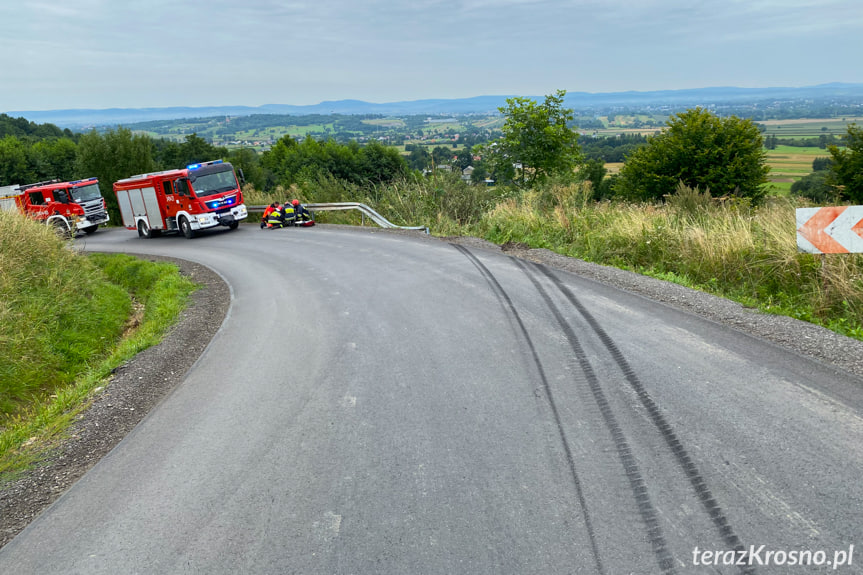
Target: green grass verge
x=72 y=313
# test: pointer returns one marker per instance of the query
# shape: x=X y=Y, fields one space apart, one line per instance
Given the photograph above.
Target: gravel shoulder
x=142 y=383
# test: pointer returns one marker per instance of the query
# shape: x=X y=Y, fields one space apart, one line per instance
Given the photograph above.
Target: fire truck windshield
x=214 y=182
x=86 y=193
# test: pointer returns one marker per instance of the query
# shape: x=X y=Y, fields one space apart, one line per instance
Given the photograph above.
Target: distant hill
x=581 y=101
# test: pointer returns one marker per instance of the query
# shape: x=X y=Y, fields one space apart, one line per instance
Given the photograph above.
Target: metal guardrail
x=362 y=208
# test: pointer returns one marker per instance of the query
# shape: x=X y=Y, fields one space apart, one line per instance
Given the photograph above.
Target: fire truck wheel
x=90 y=229
x=143 y=229
x=233 y=225
x=62 y=229
x=186 y=228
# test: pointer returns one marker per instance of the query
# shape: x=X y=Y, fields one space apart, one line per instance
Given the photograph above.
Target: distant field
x=613 y=167
x=386 y=122
x=780 y=188
x=277 y=132
x=789 y=163
x=808 y=127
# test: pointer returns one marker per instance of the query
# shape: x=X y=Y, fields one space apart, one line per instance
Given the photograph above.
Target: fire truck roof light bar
x=80 y=181
x=196 y=166
x=46 y=182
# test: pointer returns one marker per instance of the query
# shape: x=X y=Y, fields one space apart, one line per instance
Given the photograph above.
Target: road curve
x=380 y=403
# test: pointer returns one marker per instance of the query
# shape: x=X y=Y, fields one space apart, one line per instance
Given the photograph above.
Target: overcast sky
x=57 y=54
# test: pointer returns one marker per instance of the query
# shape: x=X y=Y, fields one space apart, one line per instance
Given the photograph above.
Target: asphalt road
x=379 y=403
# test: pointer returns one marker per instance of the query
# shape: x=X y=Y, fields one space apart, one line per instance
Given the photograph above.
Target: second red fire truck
x=197 y=197
x=68 y=206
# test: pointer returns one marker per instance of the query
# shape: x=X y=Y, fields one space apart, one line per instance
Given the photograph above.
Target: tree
x=846 y=173
x=195 y=150
x=419 y=158
x=594 y=171
x=379 y=164
x=14 y=168
x=246 y=160
x=442 y=155
x=464 y=158
x=537 y=137
x=701 y=150
x=54 y=158
x=814 y=186
x=307 y=161
x=113 y=156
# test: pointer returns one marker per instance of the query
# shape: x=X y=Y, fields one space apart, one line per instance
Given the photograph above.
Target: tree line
x=724 y=156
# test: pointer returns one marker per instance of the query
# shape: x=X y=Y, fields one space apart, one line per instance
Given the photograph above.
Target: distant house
x=467 y=173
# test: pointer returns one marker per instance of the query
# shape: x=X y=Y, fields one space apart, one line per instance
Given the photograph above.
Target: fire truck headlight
x=203 y=220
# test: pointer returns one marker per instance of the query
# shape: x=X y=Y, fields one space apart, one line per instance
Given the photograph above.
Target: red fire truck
x=69 y=206
x=198 y=197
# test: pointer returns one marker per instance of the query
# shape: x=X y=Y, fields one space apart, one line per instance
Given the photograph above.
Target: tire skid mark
x=685 y=462
x=509 y=307
x=637 y=484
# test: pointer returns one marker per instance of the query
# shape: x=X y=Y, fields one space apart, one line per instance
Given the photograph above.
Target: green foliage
x=821 y=164
x=443 y=202
x=247 y=162
x=594 y=171
x=57 y=314
x=814 y=187
x=194 y=149
x=55 y=158
x=292 y=162
x=442 y=155
x=157 y=287
x=419 y=158
x=730 y=248
x=846 y=173
x=24 y=129
x=538 y=137
x=25 y=162
x=722 y=155
x=112 y=156
x=611 y=148
x=13 y=162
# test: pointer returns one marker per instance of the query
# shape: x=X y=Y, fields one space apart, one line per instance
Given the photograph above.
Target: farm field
x=789 y=163
x=808 y=127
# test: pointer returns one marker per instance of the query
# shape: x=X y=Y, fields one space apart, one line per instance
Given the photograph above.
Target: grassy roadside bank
x=67 y=320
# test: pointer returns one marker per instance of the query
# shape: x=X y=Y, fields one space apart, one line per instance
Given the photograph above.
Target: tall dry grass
x=726 y=247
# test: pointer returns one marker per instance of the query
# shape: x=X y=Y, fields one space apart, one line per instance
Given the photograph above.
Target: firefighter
x=269 y=210
x=288 y=214
x=302 y=214
x=276 y=218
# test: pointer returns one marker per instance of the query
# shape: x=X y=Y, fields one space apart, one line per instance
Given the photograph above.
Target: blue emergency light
x=196 y=166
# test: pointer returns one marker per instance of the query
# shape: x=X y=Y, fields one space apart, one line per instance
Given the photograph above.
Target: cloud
x=197 y=52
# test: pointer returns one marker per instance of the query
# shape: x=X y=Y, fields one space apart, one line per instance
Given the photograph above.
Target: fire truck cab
x=69 y=206
x=197 y=197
